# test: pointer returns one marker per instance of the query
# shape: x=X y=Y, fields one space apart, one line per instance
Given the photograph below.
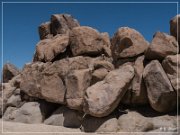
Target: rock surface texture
x=104 y=96
x=161 y=46
x=81 y=78
x=161 y=94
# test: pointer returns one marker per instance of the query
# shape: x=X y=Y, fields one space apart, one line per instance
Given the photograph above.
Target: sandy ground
x=12 y=128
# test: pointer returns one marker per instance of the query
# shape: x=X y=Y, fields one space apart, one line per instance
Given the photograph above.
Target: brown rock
x=88 y=41
x=9 y=71
x=100 y=69
x=36 y=83
x=137 y=94
x=161 y=95
x=127 y=43
x=170 y=65
x=5 y=94
x=104 y=96
x=174 y=27
x=62 y=23
x=134 y=122
x=48 y=49
x=44 y=31
x=161 y=46
x=77 y=81
x=28 y=113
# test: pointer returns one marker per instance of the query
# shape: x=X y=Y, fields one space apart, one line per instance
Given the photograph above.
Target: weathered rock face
x=105 y=124
x=45 y=30
x=48 y=49
x=137 y=94
x=175 y=27
x=38 y=84
x=127 y=42
x=100 y=69
x=77 y=81
x=134 y=122
x=62 y=23
x=88 y=41
x=161 y=46
x=28 y=113
x=5 y=94
x=15 y=99
x=9 y=71
x=104 y=96
x=161 y=95
x=64 y=117
x=170 y=65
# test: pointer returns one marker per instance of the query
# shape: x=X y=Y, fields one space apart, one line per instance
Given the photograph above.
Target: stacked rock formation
x=79 y=76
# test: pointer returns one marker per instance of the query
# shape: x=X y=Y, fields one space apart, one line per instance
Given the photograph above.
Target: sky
x=21 y=21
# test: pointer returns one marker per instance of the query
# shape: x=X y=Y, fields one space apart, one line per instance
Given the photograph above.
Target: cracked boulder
x=104 y=96
x=161 y=94
x=35 y=83
x=170 y=65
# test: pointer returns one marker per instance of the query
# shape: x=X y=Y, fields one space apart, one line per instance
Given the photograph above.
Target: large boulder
x=48 y=49
x=175 y=27
x=28 y=113
x=171 y=67
x=88 y=41
x=15 y=99
x=36 y=83
x=161 y=46
x=77 y=81
x=62 y=24
x=64 y=116
x=104 y=96
x=134 y=122
x=161 y=95
x=127 y=42
x=45 y=30
x=104 y=125
x=9 y=71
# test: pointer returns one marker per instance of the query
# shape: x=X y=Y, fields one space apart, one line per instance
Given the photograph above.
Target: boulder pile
x=80 y=78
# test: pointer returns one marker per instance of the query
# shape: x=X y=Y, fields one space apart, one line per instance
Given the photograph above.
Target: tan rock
x=175 y=27
x=161 y=95
x=36 y=83
x=127 y=43
x=28 y=113
x=88 y=41
x=137 y=93
x=161 y=46
x=48 y=49
x=171 y=67
x=62 y=24
x=45 y=30
x=77 y=81
x=104 y=96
